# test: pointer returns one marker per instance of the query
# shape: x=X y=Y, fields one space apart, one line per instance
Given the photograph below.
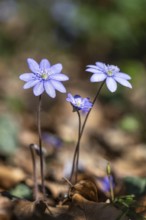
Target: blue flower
x=110 y=73
x=79 y=103
x=44 y=77
x=52 y=139
x=105 y=184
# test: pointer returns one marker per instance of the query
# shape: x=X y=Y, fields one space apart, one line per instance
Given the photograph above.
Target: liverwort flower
x=105 y=184
x=79 y=103
x=44 y=77
x=110 y=73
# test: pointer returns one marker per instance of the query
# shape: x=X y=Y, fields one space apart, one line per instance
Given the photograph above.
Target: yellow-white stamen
x=109 y=72
x=44 y=76
x=78 y=103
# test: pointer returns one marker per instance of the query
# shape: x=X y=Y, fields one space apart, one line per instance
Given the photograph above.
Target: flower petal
x=98 y=77
x=38 y=88
x=92 y=70
x=58 y=86
x=123 y=82
x=33 y=65
x=100 y=65
x=27 y=76
x=92 y=66
x=70 y=98
x=59 y=77
x=30 y=84
x=56 y=68
x=44 y=64
x=123 y=75
x=111 y=84
x=49 y=89
x=113 y=68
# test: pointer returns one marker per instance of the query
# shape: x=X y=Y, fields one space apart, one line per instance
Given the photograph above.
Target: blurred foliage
x=14 y=103
x=76 y=33
x=128 y=204
x=135 y=185
x=8 y=135
x=130 y=123
x=21 y=191
x=116 y=29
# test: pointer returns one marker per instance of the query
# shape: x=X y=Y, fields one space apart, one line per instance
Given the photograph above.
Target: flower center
x=110 y=72
x=45 y=73
x=44 y=76
x=78 y=103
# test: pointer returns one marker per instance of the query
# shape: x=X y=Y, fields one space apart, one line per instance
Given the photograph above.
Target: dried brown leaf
x=92 y=211
x=5 y=208
x=141 y=207
x=86 y=188
x=10 y=176
x=26 y=210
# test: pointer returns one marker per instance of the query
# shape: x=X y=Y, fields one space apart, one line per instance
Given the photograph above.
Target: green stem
x=111 y=188
x=108 y=170
x=40 y=144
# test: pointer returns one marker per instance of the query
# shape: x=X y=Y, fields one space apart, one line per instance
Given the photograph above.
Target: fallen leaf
x=87 y=210
x=86 y=188
x=10 y=176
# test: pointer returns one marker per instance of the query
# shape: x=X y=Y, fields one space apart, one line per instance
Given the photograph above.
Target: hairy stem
x=76 y=152
x=40 y=144
x=78 y=147
x=32 y=150
x=94 y=100
x=81 y=130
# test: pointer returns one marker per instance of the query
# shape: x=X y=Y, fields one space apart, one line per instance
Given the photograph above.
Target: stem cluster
x=75 y=164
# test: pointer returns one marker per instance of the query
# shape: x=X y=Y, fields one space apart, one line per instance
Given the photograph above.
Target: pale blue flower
x=44 y=77
x=79 y=103
x=110 y=73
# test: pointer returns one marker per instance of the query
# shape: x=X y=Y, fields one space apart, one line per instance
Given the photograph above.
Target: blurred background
x=75 y=33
